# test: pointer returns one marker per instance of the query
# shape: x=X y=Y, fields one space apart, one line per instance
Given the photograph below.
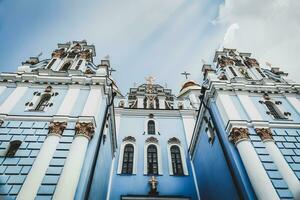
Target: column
x=42 y=161
x=259 y=179
x=13 y=99
x=70 y=175
x=162 y=104
x=283 y=167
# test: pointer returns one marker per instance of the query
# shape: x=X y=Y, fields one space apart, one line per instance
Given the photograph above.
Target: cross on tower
x=186 y=74
x=111 y=70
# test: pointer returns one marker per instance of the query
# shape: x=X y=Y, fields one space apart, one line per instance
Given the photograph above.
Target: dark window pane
x=176 y=160
x=127 y=165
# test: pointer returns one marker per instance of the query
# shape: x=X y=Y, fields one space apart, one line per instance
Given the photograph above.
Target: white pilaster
x=93 y=102
x=140 y=102
x=259 y=179
x=294 y=102
x=227 y=108
x=68 y=181
x=282 y=165
x=188 y=124
x=161 y=100
x=2 y=88
x=69 y=101
x=284 y=168
x=56 y=66
x=42 y=161
x=249 y=106
x=13 y=99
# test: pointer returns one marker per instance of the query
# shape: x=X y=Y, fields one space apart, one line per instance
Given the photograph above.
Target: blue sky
x=159 y=38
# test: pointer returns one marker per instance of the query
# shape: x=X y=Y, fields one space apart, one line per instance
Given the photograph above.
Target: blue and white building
x=246 y=141
x=67 y=132
x=154 y=129
x=56 y=119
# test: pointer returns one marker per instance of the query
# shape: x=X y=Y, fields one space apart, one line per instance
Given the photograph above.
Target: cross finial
x=186 y=74
x=111 y=70
x=153 y=186
x=150 y=80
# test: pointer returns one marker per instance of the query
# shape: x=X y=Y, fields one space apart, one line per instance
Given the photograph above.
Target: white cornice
x=52 y=79
x=158 y=112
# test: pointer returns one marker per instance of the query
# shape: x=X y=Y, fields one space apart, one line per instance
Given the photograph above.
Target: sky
x=153 y=37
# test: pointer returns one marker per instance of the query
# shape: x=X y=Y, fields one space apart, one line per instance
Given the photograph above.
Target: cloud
x=269 y=29
x=230 y=35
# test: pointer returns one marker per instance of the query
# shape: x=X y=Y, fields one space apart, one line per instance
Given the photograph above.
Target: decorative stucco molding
x=238 y=134
x=1 y=122
x=264 y=133
x=152 y=140
x=57 y=128
x=174 y=140
x=85 y=128
x=129 y=139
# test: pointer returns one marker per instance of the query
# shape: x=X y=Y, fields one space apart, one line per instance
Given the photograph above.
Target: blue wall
x=13 y=171
x=138 y=184
x=213 y=174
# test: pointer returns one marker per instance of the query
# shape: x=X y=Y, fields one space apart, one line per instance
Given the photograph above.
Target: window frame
x=183 y=160
x=159 y=159
x=128 y=162
x=121 y=157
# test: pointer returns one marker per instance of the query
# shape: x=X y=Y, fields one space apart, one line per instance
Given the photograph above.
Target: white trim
x=38 y=170
x=294 y=101
x=135 y=156
x=13 y=99
x=283 y=167
x=110 y=179
x=93 y=102
x=2 y=88
x=69 y=101
x=249 y=106
x=155 y=123
x=159 y=159
x=183 y=159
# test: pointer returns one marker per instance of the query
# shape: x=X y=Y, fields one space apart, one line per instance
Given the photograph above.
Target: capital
x=264 y=133
x=85 y=128
x=57 y=128
x=239 y=134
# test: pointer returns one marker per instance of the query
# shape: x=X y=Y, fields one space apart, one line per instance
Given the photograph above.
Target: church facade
x=67 y=132
x=246 y=139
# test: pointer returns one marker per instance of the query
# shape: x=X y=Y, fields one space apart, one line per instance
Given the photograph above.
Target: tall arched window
x=43 y=102
x=176 y=161
x=152 y=161
x=51 y=63
x=274 y=111
x=78 y=64
x=127 y=165
x=66 y=66
x=232 y=71
x=151 y=127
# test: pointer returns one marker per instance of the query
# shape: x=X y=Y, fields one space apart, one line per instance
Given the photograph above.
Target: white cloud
x=270 y=29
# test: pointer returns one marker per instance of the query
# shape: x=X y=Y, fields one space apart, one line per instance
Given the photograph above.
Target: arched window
x=232 y=71
x=66 y=66
x=43 y=102
x=274 y=111
x=78 y=64
x=128 y=156
x=51 y=63
x=145 y=102
x=13 y=148
x=151 y=127
x=176 y=160
x=152 y=161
